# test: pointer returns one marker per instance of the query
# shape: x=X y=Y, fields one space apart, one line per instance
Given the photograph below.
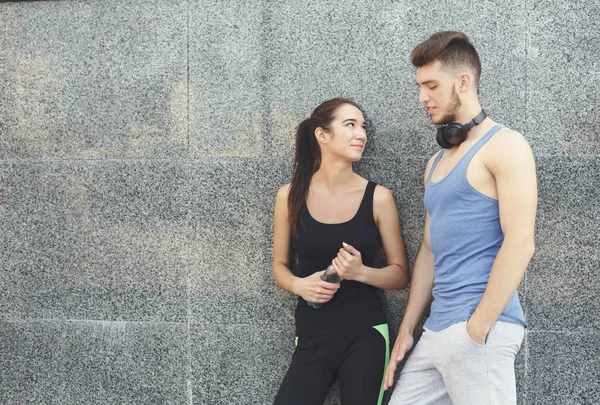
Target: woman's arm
x=311 y=288
x=348 y=262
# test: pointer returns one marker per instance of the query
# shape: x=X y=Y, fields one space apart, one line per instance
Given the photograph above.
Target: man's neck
x=467 y=112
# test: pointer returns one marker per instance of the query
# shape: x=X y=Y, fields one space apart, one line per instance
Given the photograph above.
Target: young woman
x=332 y=216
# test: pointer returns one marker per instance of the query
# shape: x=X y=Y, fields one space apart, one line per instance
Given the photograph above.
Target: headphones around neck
x=453 y=134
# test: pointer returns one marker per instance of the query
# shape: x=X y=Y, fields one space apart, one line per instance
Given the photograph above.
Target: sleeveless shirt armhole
x=368 y=200
x=436 y=160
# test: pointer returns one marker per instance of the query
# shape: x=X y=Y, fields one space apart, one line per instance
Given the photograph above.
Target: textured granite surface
x=563 y=294
x=93 y=240
x=241 y=364
x=563 y=368
x=563 y=96
x=563 y=286
x=97 y=79
x=226 y=87
x=142 y=144
x=230 y=256
x=86 y=362
x=568 y=206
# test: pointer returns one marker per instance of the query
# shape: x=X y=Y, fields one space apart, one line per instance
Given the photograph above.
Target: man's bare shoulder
x=507 y=147
x=508 y=138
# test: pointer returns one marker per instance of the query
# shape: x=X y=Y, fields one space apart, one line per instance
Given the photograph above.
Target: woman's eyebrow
x=351 y=119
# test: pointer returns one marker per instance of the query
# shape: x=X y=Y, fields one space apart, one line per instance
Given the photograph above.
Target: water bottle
x=330 y=276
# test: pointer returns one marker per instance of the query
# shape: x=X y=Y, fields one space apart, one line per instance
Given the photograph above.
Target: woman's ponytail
x=306 y=163
x=308 y=156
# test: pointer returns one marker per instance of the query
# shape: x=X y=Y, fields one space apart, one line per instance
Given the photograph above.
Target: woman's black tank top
x=355 y=304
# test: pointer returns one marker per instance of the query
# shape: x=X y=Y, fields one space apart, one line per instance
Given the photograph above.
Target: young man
x=481 y=197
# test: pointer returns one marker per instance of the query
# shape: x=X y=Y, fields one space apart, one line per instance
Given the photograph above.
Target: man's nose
x=423 y=96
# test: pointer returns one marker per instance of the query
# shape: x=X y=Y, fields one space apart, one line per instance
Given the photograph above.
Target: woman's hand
x=315 y=290
x=348 y=263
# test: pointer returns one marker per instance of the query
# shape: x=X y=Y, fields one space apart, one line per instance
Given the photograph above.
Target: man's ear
x=465 y=82
x=321 y=135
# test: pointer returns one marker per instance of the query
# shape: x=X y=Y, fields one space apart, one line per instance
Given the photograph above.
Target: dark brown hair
x=308 y=155
x=453 y=49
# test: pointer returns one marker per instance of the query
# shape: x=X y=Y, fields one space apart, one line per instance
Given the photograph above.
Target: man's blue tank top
x=465 y=237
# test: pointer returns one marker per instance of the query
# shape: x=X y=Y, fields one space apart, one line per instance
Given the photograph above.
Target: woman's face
x=347 y=134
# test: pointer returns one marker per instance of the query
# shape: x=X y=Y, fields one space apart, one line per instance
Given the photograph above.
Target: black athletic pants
x=358 y=358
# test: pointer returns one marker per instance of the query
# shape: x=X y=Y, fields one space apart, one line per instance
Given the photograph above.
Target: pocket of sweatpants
x=468 y=337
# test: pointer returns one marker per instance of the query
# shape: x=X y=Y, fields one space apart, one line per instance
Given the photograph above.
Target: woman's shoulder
x=283 y=192
x=382 y=195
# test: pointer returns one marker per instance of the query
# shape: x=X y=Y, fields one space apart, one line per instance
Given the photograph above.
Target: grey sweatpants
x=449 y=368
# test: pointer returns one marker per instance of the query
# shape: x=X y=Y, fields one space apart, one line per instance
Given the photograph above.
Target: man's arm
x=421 y=286
x=419 y=298
x=511 y=162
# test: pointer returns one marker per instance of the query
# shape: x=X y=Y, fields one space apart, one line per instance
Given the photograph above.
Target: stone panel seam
x=189 y=387
x=265 y=68
x=565 y=332
x=190 y=391
x=188 y=72
x=527 y=45
x=193 y=159
x=221 y=324
x=99 y=321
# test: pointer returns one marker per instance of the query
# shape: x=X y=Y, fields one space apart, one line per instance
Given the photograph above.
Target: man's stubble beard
x=450 y=115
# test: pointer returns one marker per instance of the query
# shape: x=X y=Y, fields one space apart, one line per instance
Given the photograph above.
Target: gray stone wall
x=141 y=146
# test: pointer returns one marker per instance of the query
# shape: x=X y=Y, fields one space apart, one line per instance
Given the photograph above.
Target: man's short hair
x=453 y=49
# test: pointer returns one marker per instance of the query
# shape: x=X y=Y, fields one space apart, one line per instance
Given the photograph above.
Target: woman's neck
x=333 y=176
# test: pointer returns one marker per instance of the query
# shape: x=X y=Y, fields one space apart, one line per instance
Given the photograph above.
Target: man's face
x=438 y=93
